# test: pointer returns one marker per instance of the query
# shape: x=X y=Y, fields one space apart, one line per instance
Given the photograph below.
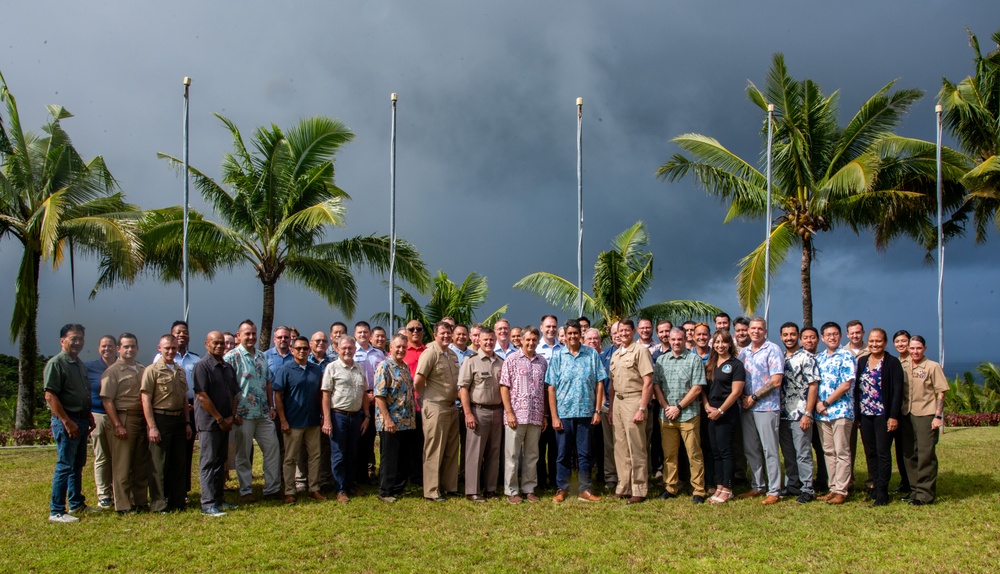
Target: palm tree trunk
x=24 y=417
x=267 y=317
x=807 y=298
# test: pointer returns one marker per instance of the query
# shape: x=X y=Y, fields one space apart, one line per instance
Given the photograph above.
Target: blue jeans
x=344 y=443
x=72 y=456
x=575 y=433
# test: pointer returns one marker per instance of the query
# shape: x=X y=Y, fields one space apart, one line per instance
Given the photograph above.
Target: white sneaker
x=63 y=518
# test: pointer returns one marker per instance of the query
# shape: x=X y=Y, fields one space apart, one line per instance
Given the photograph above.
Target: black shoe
x=438 y=499
x=906 y=499
x=903 y=490
x=698 y=499
x=918 y=502
x=881 y=502
x=804 y=498
x=666 y=495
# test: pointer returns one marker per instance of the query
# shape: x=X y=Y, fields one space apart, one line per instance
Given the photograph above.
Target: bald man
x=217 y=394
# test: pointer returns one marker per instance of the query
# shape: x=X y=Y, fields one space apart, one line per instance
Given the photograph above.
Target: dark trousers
x=344 y=441
x=395 y=459
x=875 y=437
x=706 y=452
x=548 y=452
x=653 y=437
x=365 y=466
x=189 y=450
x=573 y=439
x=822 y=481
x=214 y=452
x=71 y=458
x=720 y=435
x=415 y=465
x=919 y=452
x=166 y=485
x=896 y=438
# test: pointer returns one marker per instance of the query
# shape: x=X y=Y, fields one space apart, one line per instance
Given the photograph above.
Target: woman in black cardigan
x=878 y=397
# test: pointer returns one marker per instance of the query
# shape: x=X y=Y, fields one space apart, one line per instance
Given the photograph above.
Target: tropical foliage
x=280 y=200
x=447 y=299
x=55 y=204
x=972 y=116
x=967 y=396
x=622 y=276
x=859 y=175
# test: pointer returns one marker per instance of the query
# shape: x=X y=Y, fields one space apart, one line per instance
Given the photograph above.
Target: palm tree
x=621 y=278
x=859 y=175
x=972 y=115
x=282 y=197
x=55 y=204
x=447 y=299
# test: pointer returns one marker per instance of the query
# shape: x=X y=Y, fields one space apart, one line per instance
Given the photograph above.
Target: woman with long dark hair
x=726 y=376
x=877 y=406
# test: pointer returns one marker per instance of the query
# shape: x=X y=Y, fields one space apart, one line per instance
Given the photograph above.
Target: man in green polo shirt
x=67 y=391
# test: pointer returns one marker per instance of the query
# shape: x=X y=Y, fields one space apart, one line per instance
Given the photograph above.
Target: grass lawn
x=959 y=533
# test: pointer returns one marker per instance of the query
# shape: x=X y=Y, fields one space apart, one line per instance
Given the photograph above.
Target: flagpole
x=392 y=219
x=767 y=231
x=940 y=241
x=579 y=203
x=184 y=257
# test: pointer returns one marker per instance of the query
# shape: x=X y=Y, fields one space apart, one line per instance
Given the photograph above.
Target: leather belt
x=175 y=413
x=492 y=407
x=348 y=413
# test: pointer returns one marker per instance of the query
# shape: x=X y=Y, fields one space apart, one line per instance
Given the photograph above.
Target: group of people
x=508 y=409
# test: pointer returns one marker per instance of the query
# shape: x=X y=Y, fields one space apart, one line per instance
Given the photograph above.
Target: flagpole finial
x=187 y=81
x=393 y=96
x=770 y=107
x=579 y=101
x=938 y=108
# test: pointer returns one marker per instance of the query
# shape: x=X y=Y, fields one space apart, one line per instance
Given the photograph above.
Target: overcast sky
x=486 y=164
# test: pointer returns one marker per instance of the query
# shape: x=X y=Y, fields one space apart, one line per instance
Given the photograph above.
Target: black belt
x=493 y=407
x=348 y=413
x=169 y=413
x=78 y=414
x=629 y=394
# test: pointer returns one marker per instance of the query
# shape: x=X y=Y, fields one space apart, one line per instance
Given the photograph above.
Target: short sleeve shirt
x=923 y=381
x=217 y=379
x=835 y=369
x=120 y=383
x=463 y=355
x=187 y=362
x=253 y=373
x=275 y=361
x=439 y=367
x=346 y=384
x=723 y=377
x=67 y=379
x=628 y=366
x=394 y=383
x=369 y=359
x=525 y=378
x=801 y=370
x=95 y=369
x=300 y=398
x=676 y=376
x=166 y=387
x=481 y=375
x=575 y=379
x=761 y=365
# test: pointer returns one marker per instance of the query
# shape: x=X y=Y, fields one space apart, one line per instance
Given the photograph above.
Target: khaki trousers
x=130 y=462
x=295 y=440
x=836 y=435
x=671 y=434
x=631 y=455
x=103 y=434
x=482 y=450
x=441 y=446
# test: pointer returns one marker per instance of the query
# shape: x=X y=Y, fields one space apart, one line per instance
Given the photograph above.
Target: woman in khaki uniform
x=923 y=414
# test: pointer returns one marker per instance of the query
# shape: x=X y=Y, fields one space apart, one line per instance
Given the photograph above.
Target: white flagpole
x=184 y=262
x=579 y=203
x=940 y=241
x=767 y=230
x=392 y=219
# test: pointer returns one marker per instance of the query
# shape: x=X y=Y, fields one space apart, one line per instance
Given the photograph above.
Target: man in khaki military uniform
x=479 y=389
x=165 y=406
x=436 y=380
x=632 y=380
x=130 y=448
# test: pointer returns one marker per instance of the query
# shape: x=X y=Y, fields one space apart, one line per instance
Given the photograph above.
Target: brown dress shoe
x=289 y=499
x=587 y=496
x=771 y=499
x=750 y=494
x=836 y=499
x=475 y=498
x=824 y=497
x=635 y=500
x=317 y=495
x=515 y=499
x=248 y=498
x=532 y=497
x=342 y=497
x=560 y=496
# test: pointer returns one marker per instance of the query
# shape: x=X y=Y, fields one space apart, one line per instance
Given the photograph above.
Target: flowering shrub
x=33 y=437
x=972 y=420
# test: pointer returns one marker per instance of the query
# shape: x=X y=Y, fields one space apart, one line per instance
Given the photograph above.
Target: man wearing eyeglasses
x=504 y=346
x=257 y=409
x=415 y=347
x=296 y=398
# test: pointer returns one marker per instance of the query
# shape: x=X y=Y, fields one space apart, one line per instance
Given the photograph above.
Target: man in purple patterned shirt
x=522 y=390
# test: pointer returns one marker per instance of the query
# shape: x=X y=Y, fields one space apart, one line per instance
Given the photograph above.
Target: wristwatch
x=721 y=411
x=754 y=397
